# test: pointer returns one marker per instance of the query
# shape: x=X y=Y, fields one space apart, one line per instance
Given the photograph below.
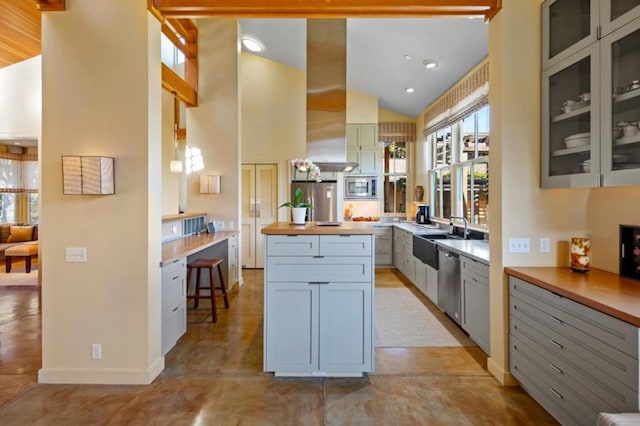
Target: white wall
x=21 y=106
x=170 y=181
x=101 y=91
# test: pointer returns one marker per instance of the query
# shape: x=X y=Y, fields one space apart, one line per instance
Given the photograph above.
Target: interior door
x=259 y=208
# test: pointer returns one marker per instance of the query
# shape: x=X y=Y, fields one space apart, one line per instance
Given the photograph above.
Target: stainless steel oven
x=360 y=188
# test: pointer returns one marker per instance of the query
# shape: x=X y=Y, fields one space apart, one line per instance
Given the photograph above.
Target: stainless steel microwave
x=360 y=188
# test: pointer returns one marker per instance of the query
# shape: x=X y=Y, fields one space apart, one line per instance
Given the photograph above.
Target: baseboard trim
x=504 y=377
x=107 y=376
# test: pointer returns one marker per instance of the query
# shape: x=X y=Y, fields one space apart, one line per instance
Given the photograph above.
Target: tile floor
x=214 y=377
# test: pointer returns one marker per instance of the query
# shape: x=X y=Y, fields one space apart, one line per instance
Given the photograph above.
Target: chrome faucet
x=465 y=235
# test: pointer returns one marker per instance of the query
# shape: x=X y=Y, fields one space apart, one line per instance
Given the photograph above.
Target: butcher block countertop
x=181 y=216
x=185 y=246
x=604 y=291
x=312 y=228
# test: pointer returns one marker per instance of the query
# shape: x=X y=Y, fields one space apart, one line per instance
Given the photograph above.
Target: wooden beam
x=173 y=83
x=51 y=5
x=324 y=8
x=155 y=12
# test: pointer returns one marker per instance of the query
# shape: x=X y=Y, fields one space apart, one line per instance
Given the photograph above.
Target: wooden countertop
x=174 y=249
x=312 y=228
x=181 y=216
x=598 y=289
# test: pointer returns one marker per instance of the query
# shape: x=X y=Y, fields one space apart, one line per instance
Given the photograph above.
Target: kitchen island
x=319 y=298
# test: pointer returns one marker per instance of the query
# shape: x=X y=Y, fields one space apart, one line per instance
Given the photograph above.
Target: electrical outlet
x=96 y=351
x=76 y=254
x=518 y=245
x=230 y=225
x=545 y=245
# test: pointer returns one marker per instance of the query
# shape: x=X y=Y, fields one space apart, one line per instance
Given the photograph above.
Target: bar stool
x=210 y=264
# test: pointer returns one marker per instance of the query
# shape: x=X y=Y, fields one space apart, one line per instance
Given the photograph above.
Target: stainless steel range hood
x=327 y=94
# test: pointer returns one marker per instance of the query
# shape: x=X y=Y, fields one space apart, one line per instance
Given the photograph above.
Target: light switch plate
x=545 y=245
x=76 y=254
x=518 y=245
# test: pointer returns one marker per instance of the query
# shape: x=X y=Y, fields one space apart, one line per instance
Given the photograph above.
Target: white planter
x=299 y=214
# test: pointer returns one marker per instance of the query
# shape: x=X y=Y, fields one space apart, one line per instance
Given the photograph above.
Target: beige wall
x=93 y=105
x=388 y=116
x=361 y=107
x=214 y=126
x=21 y=106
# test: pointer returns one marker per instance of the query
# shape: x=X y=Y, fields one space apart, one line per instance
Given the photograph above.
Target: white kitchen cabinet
x=174 y=308
x=574 y=360
x=403 y=253
x=384 y=245
x=431 y=284
x=362 y=147
x=420 y=275
x=319 y=305
x=590 y=104
x=474 y=278
x=233 y=270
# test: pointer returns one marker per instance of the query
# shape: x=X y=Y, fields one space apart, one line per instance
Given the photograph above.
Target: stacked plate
x=579 y=139
x=586 y=166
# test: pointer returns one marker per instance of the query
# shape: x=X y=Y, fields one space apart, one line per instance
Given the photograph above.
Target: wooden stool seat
x=23 y=250
x=210 y=264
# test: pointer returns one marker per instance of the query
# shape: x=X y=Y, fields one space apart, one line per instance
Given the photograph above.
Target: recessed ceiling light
x=409 y=89
x=429 y=64
x=407 y=57
x=252 y=44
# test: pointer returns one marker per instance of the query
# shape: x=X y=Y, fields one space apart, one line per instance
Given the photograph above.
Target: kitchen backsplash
x=362 y=208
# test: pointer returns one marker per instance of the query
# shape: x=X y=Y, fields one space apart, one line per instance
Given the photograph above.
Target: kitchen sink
x=440 y=237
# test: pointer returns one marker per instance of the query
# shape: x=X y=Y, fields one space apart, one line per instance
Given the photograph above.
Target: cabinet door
x=368 y=161
x=475 y=309
x=567 y=27
x=570 y=122
x=346 y=341
x=353 y=131
x=233 y=260
x=616 y=13
x=432 y=284
x=368 y=136
x=420 y=275
x=291 y=327
x=620 y=162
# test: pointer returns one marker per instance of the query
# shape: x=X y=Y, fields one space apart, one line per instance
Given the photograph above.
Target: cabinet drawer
x=173 y=327
x=383 y=244
x=474 y=268
x=324 y=269
x=608 y=393
x=176 y=268
x=386 y=231
x=293 y=245
x=618 y=334
x=569 y=408
x=345 y=245
x=618 y=366
x=173 y=294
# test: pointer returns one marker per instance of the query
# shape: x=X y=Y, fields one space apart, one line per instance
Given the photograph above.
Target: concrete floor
x=214 y=377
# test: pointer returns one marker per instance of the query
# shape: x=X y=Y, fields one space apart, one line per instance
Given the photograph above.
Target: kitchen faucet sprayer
x=465 y=235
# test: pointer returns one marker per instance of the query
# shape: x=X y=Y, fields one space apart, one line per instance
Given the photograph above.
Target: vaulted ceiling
x=20 y=30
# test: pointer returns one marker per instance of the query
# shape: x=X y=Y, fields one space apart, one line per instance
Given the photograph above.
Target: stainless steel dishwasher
x=449 y=283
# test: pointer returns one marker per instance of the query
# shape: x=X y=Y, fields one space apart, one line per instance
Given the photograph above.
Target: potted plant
x=299 y=204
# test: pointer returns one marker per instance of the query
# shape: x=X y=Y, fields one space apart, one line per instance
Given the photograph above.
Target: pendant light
x=175 y=166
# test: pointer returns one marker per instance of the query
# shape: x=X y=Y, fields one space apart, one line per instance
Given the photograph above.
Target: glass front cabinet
x=591 y=94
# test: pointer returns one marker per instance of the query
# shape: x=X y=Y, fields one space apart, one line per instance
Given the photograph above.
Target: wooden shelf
x=627 y=95
x=568 y=151
x=627 y=140
x=571 y=114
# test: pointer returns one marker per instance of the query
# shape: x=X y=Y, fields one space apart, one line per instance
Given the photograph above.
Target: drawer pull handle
x=556 y=344
x=556 y=368
x=556 y=393
x=344 y=236
x=294 y=236
x=474 y=279
x=174 y=309
x=558 y=320
x=318 y=282
x=176 y=277
x=318 y=257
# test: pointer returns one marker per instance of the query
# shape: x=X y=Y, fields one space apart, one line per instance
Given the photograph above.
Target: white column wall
x=101 y=96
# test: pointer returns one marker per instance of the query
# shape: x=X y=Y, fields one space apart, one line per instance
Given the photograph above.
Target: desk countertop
x=185 y=246
x=598 y=289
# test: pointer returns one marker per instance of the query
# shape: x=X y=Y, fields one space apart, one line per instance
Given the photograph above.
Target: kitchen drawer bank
x=318 y=305
x=573 y=359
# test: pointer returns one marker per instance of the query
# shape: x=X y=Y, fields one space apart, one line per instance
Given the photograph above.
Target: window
x=395 y=177
x=459 y=172
x=18 y=188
